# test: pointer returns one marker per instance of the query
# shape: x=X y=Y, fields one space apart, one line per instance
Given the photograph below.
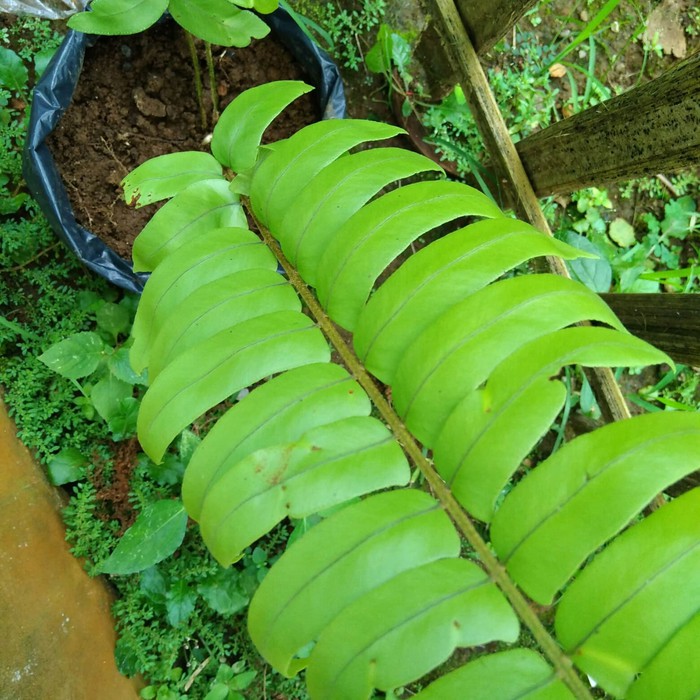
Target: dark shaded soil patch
x=136 y=100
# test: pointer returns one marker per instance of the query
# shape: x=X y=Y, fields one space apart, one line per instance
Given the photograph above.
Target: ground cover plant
x=469 y=362
x=179 y=623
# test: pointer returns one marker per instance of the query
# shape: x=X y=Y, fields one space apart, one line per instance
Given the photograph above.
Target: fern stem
x=562 y=664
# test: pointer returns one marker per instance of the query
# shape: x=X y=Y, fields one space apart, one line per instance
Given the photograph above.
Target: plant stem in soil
x=197 y=78
x=212 y=85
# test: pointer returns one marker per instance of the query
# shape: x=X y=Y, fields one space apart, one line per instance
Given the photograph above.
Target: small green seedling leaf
x=13 y=73
x=112 y=318
x=120 y=366
x=66 y=467
x=218 y=21
x=77 y=356
x=155 y=535
x=116 y=17
x=41 y=61
x=622 y=233
x=179 y=603
x=596 y=274
x=676 y=223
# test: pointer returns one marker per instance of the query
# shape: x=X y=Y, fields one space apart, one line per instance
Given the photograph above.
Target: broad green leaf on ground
x=622 y=232
x=107 y=395
x=156 y=534
x=238 y=132
x=120 y=366
x=13 y=72
x=218 y=21
x=676 y=221
x=114 y=17
x=66 y=467
x=77 y=356
x=164 y=176
x=595 y=273
x=112 y=318
x=179 y=602
x=222 y=592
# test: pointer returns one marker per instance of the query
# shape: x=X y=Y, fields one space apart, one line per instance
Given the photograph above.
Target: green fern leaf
x=369 y=240
x=220 y=366
x=459 y=350
x=334 y=195
x=278 y=412
x=615 y=632
x=284 y=174
x=206 y=205
x=519 y=674
x=484 y=440
x=218 y=305
x=367 y=543
x=238 y=132
x=602 y=479
x=407 y=626
x=165 y=176
x=330 y=465
x=436 y=278
x=220 y=253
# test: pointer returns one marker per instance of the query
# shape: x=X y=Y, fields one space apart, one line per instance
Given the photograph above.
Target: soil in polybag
x=135 y=100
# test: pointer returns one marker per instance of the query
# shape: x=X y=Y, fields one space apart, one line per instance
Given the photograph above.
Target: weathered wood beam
x=507 y=161
x=654 y=128
x=671 y=322
x=487 y=22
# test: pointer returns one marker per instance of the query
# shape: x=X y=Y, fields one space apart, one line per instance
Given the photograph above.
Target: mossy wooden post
x=509 y=166
x=654 y=128
x=671 y=322
x=487 y=22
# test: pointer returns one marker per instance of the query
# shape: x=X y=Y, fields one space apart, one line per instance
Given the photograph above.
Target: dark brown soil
x=136 y=100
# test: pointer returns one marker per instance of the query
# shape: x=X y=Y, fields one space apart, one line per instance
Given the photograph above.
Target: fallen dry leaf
x=664 y=27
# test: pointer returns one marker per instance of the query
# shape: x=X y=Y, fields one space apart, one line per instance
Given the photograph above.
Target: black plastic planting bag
x=52 y=96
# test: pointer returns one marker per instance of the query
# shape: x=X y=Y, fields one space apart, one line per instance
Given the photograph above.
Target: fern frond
x=376 y=594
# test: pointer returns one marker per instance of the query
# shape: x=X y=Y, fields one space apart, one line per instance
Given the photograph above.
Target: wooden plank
x=490 y=20
x=671 y=322
x=654 y=128
x=510 y=168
